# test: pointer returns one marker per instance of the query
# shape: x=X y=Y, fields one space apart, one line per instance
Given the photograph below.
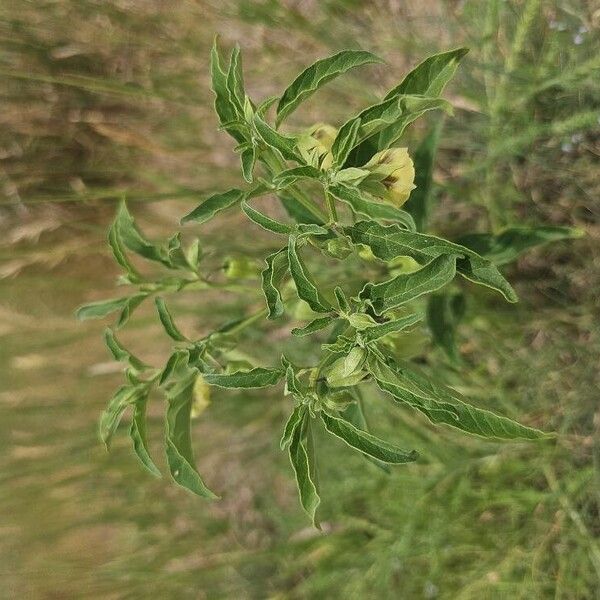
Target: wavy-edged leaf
x=272 y=276
x=304 y=467
x=102 y=308
x=305 y=285
x=389 y=242
x=341 y=299
x=361 y=204
x=365 y=442
x=248 y=159
x=180 y=456
x=394 y=326
x=408 y=286
x=291 y=176
x=282 y=143
x=111 y=416
x=255 y=378
x=118 y=250
x=167 y=321
x=317 y=75
x=235 y=80
x=430 y=76
x=213 y=205
x=137 y=433
x=295 y=420
x=177 y=360
x=265 y=221
x=509 y=244
x=419 y=203
x=444 y=405
x=444 y=312
x=121 y=353
x=345 y=142
x=313 y=326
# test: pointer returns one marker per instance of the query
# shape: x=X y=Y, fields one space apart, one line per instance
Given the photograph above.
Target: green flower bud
x=394 y=169
x=347 y=370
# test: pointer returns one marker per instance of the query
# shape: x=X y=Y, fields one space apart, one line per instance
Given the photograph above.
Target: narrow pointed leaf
x=235 y=81
x=305 y=285
x=167 y=321
x=102 y=308
x=118 y=249
x=111 y=416
x=390 y=242
x=295 y=420
x=213 y=205
x=378 y=331
x=345 y=143
x=272 y=276
x=444 y=405
x=137 y=433
x=313 y=326
x=255 y=378
x=265 y=221
x=248 y=158
x=119 y=352
x=409 y=286
x=291 y=176
x=365 y=442
x=180 y=457
x=282 y=143
x=317 y=75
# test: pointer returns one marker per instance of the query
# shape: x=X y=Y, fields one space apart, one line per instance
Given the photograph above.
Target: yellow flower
x=394 y=169
x=201 y=398
x=315 y=145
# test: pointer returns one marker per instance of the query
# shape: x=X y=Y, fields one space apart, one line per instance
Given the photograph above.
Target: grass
x=88 y=116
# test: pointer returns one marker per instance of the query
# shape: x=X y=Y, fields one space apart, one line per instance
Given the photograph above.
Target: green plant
x=357 y=232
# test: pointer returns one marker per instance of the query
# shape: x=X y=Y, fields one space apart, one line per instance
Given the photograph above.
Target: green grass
x=86 y=117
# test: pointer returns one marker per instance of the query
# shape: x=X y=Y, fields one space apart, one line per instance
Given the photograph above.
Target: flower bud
x=201 y=397
x=315 y=145
x=394 y=170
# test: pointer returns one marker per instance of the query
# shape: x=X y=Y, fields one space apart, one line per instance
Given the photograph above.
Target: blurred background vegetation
x=98 y=98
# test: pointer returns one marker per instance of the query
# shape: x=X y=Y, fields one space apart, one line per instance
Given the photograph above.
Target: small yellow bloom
x=394 y=169
x=201 y=398
x=316 y=143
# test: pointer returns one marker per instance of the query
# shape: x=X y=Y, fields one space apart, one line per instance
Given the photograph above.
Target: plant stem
x=331 y=208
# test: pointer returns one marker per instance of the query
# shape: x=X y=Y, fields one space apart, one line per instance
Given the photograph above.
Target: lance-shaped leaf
x=365 y=442
x=362 y=204
x=235 y=80
x=291 y=176
x=408 y=286
x=248 y=158
x=419 y=203
x=118 y=249
x=133 y=239
x=227 y=111
x=431 y=76
x=313 y=326
x=272 y=276
x=111 y=416
x=345 y=142
x=509 y=244
x=180 y=456
x=317 y=75
x=137 y=433
x=305 y=285
x=167 y=321
x=265 y=221
x=255 y=378
x=294 y=421
x=296 y=210
x=121 y=353
x=394 y=326
x=444 y=312
x=284 y=144
x=304 y=467
x=102 y=308
x=390 y=242
x=442 y=404
x=213 y=205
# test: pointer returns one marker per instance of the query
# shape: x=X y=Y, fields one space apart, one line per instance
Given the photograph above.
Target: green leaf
x=102 y=308
x=176 y=361
x=132 y=303
x=137 y=433
x=442 y=404
x=120 y=353
x=341 y=299
x=431 y=76
x=248 y=158
x=509 y=244
x=313 y=326
x=362 y=204
x=180 y=456
x=408 y=286
x=419 y=203
x=212 y=205
x=305 y=470
x=345 y=142
x=111 y=416
x=297 y=211
x=272 y=276
x=378 y=331
x=347 y=370
x=317 y=75
x=255 y=378
x=265 y=221
x=167 y=321
x=305 y=285
x=390 y=242
x=225 y=108
x=365 y=442
x=291 y=176
x=282 y=143
x=444 y=312
x=294 y=421
x=118 y=249
x=235 y=81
